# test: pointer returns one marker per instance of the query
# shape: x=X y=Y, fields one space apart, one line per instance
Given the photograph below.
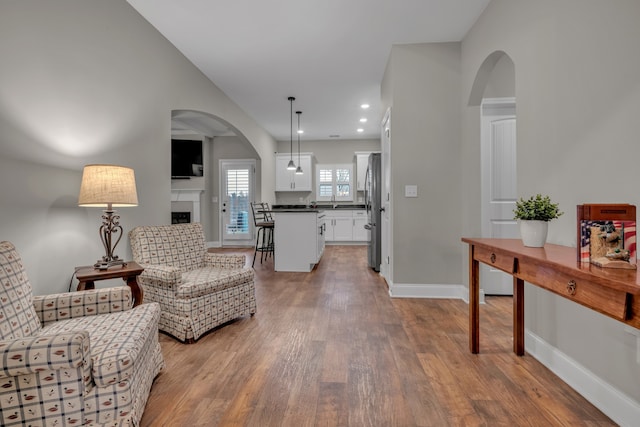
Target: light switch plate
x=410 y=191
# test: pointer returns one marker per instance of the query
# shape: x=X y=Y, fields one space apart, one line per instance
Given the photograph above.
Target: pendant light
x=291 y=166
x=299 y=168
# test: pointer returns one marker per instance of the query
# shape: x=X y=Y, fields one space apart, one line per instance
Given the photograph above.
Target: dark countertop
x=340 y=206
x=296 y=210
x=318 y=207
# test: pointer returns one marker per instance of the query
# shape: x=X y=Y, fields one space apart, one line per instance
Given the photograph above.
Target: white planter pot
x=533 y=233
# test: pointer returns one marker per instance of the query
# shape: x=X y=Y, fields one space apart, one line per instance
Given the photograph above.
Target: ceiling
x=329 y=54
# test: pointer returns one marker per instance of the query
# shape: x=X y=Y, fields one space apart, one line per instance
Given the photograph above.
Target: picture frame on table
x=606 y=235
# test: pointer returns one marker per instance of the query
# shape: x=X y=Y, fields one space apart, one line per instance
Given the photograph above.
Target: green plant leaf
x=536 y=208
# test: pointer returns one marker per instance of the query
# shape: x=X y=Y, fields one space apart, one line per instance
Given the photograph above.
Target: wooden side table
x=128 y=272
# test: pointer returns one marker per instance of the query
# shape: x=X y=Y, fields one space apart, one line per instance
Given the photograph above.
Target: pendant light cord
x=291 y=99
x=298 y=113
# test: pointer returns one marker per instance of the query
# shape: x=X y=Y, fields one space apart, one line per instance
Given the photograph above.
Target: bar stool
x=264 y=225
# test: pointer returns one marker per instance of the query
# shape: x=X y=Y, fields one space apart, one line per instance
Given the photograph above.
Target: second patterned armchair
x=74 y=358
x=197 y=290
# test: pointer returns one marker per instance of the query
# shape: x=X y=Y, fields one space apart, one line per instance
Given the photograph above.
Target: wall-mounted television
x=186 y=158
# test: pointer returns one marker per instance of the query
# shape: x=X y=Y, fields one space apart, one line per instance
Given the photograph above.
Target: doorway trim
x=223 y=164
x=496 y=215
x=386 y=199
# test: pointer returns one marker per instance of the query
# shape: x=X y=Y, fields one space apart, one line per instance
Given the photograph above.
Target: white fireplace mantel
x=192 y=196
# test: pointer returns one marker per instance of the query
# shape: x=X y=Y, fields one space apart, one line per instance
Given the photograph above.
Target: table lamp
x=108 y=186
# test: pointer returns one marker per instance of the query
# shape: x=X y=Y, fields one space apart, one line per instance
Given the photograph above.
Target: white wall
x=578 y=102
x=90 y=81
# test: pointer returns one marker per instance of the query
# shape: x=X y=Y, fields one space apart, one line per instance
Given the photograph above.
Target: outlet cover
x=410 y=191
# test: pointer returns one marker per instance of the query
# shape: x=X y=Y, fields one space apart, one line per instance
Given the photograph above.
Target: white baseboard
x=611 y=401
x=345 y=243
x=410 y=290
x=435 y=291
x=465 y=295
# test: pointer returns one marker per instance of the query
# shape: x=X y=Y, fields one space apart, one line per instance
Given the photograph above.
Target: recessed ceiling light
x=364 y=106
x=363 y=120
x=300 y=131
x=360 y=130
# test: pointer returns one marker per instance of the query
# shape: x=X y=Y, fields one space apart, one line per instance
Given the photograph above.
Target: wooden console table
x=129 y=273
x=612 y=292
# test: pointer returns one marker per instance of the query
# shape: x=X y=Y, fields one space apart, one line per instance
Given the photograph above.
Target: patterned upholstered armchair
x=197 y=290
x=73 y=359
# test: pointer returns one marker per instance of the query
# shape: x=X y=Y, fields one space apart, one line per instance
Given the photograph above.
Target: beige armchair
x=196 y=290
x=73 y=359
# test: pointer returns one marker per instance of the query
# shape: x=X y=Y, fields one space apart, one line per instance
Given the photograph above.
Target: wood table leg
x=136 y=291
x=85 y=285
x=518 y=316
x=474 y=303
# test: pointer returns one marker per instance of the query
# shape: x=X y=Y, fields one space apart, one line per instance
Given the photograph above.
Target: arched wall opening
x=491 y=159
x=221 y=141
x=495 y=78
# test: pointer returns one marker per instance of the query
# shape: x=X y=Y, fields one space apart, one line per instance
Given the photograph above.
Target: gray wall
x=422 y=86
x=578 y=96
x=502 y=82
x=90 y=81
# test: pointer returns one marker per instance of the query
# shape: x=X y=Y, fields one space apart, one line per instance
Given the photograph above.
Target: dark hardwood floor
x=331 y=348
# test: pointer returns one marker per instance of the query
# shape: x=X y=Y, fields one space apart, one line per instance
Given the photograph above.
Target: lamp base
x=110 y=226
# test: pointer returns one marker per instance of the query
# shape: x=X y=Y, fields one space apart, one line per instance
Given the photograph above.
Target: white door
x=499 y=189
x=386 y=267
x=237 y=180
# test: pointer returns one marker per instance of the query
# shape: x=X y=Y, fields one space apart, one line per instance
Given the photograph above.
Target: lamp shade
x=108 y=186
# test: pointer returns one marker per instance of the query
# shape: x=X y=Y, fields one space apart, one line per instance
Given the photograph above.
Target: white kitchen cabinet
x=339 y=228
x=287 y=180
x=360 y=234
x=328 y=230
x=320 y=235
x=298 y=240
x=338 y=225
x=346 y=225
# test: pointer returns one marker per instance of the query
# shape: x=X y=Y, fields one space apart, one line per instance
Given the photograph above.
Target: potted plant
x=533 y=216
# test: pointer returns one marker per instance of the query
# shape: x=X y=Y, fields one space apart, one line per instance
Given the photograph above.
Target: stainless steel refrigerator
x=372 y=199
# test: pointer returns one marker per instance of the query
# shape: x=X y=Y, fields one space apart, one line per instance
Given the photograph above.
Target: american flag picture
x=627 y=229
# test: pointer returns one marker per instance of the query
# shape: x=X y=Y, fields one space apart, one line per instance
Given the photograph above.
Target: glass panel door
x=237 y=181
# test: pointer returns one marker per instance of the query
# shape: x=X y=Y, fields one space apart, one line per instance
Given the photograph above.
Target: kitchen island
x=298 y=238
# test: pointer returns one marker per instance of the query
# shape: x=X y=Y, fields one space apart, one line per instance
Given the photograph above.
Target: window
x=334 y=182
x=237 y=195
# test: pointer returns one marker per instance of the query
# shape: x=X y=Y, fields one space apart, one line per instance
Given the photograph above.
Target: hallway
x=331 y=348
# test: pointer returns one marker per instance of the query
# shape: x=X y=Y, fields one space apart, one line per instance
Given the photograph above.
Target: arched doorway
x=221 y=141
x=494 y=92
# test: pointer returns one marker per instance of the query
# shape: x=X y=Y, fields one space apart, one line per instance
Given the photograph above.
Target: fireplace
x=191 y=207
x=180 y=217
